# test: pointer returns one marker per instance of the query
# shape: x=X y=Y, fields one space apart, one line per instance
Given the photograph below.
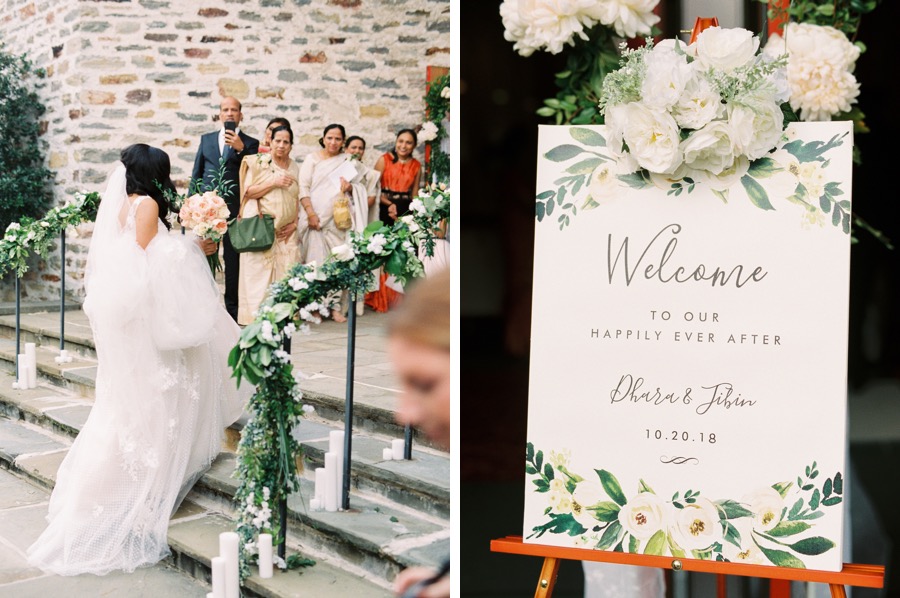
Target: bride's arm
x=145 y=219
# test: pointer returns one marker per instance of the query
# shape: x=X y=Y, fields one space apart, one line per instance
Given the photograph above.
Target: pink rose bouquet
x=206 y=215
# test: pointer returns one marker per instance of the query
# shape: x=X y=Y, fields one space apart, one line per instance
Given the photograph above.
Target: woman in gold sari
x=269 y=185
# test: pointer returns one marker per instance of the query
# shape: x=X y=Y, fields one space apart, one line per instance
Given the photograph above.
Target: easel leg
x=779 y=588
x=837 y=591
x=721 y=586
x=548 y=578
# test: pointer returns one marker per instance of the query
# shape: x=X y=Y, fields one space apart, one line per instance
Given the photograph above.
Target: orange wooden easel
x=866 y=576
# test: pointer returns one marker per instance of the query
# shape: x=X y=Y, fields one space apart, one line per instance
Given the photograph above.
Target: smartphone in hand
x=230 y=125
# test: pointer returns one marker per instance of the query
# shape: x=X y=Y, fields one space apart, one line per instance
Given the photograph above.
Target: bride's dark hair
x=147 y=171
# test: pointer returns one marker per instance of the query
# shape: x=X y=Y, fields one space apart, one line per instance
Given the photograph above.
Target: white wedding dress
x=164 y=396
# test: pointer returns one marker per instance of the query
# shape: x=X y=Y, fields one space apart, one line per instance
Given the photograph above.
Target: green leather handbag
x=255 y=233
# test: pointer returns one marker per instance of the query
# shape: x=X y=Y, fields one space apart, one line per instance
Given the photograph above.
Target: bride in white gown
x=164 y=394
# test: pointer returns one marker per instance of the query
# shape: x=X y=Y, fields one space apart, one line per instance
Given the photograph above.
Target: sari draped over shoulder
x=316 y=183
x=366 y=184
x=261 y=268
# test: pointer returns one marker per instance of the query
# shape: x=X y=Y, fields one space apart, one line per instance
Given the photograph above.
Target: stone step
x=358 y=551
x=421 y=484
x=319 y=364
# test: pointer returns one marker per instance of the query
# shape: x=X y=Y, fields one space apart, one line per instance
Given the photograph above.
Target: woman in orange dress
x=400 y=176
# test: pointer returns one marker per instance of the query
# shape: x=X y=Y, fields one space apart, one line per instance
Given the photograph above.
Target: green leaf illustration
x=813 y=546
x=732 y=534
x=796 y=508
x=788 y=528
x=756 y=193
x=589 y=204
x=545 y=194
x=814 y=500
x=548 y=471
x=827 y=488
x=838 y=483
x=611 y=486
x=539 y=460
x=550 y=206
x=674 y=548
x=830 y=502
x=587 y=137
x=825 y=203
x=585 y=166
x=782 y=488
x=836 y=216
x=721 y=194
x=780 y=557
x=559 y=524
x=529 y=451
x=561 y=153
x=605 y=511
x=542 y=485
x=764 y=167
x=656 y=544
x=634 y=545
x=635 y=180
x=733 y=509
x=644 y=487
x=539 y=210
x=530 y=470
x=610 y=535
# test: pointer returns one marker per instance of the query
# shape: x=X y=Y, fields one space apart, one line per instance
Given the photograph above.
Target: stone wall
x=154 y=71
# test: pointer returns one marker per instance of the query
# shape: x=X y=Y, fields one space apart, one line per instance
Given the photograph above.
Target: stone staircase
x=399 y=510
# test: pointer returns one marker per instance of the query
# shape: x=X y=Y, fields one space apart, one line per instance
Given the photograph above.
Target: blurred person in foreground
x=419 y=346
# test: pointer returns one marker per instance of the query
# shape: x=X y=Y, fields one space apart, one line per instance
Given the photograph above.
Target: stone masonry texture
x=154 y=71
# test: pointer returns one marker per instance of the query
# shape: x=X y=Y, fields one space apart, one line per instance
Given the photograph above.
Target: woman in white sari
x=269 y=185
x=326 y=176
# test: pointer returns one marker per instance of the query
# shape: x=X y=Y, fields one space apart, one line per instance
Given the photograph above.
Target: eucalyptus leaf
x=585 y=166
x=561 y=153
x=587 y=137
x=756 y=193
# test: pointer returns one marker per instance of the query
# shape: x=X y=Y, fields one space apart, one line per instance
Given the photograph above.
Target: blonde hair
x=424 y=315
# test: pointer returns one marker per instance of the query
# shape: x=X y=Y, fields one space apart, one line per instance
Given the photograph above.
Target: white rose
x=697 y=525
x=766 y=505
x=428 y=131
x=343 y=252
x=445 y=93
x=665 y=78
x=699 y=104
x=603 y=185
x=643 y=515
x=587 y=494
x=757 y=125
x=652 y=137
x=616 y=117
x=726 y=49
x=711 y=148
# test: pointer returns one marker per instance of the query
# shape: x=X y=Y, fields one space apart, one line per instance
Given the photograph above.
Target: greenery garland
x=437 y=104
x=266 y=466
x=29 y=235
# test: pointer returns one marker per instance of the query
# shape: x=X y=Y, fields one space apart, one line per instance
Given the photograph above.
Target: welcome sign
x=688 y=353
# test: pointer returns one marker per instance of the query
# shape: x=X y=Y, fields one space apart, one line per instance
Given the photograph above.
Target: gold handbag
x=343 y=219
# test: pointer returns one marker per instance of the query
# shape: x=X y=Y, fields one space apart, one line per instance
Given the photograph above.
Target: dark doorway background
x=500 y=92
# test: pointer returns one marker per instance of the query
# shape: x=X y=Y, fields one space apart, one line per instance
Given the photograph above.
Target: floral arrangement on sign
x=27 y=235
x=774 y=524
x=266 y=467
x=437 y=106
x=206 y=215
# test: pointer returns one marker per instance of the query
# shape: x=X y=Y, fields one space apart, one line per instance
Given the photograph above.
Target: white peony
x=667 y=74
x=699 y=104
x=629 y=18
x=587 y=494
x=757 y=124
x=697 y=525
x=711 y=148
x=643 y=515
x=726 y=49
x=820 y=69
x=652 y=136
x=445 y=93
x=724 y=180
x=542 y=24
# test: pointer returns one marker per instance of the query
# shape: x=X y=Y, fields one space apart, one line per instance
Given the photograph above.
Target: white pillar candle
x=218 y=577
x=331 y=482
x=320 y=485
x=397 y=448
x=228 y=548
x=265 y=556
x=315 y=504
x=387 y=454
x=31 y=358
x=22 y=373
x=336 y=446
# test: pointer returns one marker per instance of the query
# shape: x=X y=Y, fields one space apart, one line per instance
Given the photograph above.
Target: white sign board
x=688 y=353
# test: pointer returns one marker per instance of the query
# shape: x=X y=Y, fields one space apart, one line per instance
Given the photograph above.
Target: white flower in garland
x=819 y=71
x=343 y=253
x=445 y=93
x=428 y=131
x=376 y=244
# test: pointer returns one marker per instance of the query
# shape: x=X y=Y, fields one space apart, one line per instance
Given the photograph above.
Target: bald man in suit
x=233 y=145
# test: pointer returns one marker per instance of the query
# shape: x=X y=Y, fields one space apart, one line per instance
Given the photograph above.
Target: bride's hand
x=208 y=246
